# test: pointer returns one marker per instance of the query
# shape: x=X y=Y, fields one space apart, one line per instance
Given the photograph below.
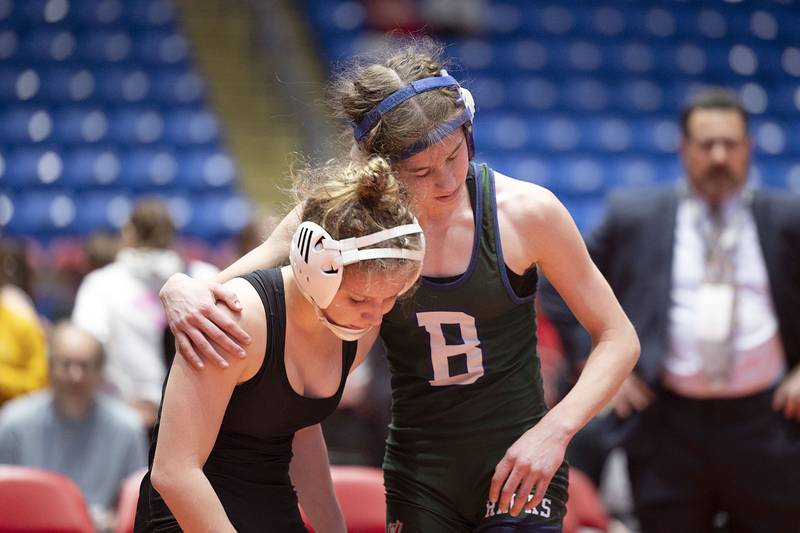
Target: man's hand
x=787 y=396
x=633 y=395
x=196 y=322
x=527 y=467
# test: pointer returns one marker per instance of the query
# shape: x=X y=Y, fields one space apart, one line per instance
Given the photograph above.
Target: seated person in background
x=23 y=359
x=70 y=428
x=119 y=305
x=220 y=459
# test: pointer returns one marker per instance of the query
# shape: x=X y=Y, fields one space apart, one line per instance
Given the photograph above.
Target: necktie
x=717 y=299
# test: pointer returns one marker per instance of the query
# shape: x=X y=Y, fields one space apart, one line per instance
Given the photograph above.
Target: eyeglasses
x=706 y=145
x=59 y=364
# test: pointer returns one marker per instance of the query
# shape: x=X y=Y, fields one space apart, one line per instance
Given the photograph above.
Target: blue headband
x=439 y=133
x=398 y=97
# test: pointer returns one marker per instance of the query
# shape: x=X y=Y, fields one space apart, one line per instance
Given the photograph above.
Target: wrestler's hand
x=787 y=396
x=527 y=467
x=633 y=395
x=196 y=322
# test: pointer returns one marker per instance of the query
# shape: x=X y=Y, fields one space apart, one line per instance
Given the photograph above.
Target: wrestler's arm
x=550 y=240
x=193 y=408
x=311 y=476
x=190 y=307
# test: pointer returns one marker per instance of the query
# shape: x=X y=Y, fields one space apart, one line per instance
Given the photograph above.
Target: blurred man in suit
x=709 y=273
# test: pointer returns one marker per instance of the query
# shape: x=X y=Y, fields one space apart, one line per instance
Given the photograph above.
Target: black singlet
x=248 y=466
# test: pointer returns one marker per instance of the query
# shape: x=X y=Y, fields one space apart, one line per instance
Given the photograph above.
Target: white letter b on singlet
x=441 y=352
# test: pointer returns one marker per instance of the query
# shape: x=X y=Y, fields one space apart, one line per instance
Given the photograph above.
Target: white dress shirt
x=758 y=358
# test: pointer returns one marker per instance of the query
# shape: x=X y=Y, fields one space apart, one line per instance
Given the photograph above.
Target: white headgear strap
x=318 y=263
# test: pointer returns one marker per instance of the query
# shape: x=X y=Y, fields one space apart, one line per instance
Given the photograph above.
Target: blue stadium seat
x=785 y=98
x=40 y=11
x=206 y=169
x=161 y=47
x=190 y=126
x=96 y=13
x=8 y=82
x=631 y=57
x=628 y=171
x=176 y=86
x=23 y=125
x=217 y=216
x=336 y=17
x=123 y=84
x=587 y=212
x=33 y=167
x=45 y=44
x=655 y=135
x=149 y=169
x=136 y=125
x=44 y=214
x=583 y=94
x=75 y=125
x=532 y=93
x=102 y=210
x=489 y=92
x=9 y=43
x=101 y=46
x=150 y=13
x=580 y=175
x=640 y=95
x=494 y=131
x=91 y=167
x=527 y=167
x=605 y=133
x=55 y=83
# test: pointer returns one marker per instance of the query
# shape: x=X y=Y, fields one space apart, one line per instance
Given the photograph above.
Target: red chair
x=128 y=499
x=584 y=507
x=361 y=496
x=40 y=501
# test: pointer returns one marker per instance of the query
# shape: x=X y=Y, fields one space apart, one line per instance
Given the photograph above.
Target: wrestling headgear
x=318 y=263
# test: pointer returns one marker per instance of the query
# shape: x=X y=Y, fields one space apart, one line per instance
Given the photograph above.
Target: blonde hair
x=368 y=81
x=355 y=199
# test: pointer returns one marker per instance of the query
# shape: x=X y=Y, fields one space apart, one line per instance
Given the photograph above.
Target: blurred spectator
x=15 y=278
x=393 y=15
x=23 y=359
x=70 y=428
x=101 y=248
x=441 y=17
x=465 y=17
x=255 y=232
x=709 y=273
x=119 y=304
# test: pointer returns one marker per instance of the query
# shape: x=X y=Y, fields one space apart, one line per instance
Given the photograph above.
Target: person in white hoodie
x=119 y=305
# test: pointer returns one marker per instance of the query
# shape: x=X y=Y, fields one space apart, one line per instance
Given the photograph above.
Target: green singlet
x=466 y=383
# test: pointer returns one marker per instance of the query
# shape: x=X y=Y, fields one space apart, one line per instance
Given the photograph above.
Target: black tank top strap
x=269 y=286
x=349 y=351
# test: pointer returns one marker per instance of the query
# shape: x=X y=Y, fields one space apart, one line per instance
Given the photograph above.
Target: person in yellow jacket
x=23 y=351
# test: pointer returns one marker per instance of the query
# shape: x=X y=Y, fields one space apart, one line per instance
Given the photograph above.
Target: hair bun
x=374 y=180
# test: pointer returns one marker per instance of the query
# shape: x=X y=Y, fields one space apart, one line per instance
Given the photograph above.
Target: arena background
x=207 y=104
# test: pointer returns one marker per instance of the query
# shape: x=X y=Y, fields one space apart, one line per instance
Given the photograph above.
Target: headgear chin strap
x=318 y=263
x=414 y=88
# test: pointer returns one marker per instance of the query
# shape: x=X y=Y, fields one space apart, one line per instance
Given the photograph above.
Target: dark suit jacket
x=633 y=248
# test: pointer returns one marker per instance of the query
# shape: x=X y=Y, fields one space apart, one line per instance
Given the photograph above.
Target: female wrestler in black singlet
x=223 y=444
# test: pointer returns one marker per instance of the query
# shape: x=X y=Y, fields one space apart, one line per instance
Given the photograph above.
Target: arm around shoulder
x=194 y=405
x=190 y=306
